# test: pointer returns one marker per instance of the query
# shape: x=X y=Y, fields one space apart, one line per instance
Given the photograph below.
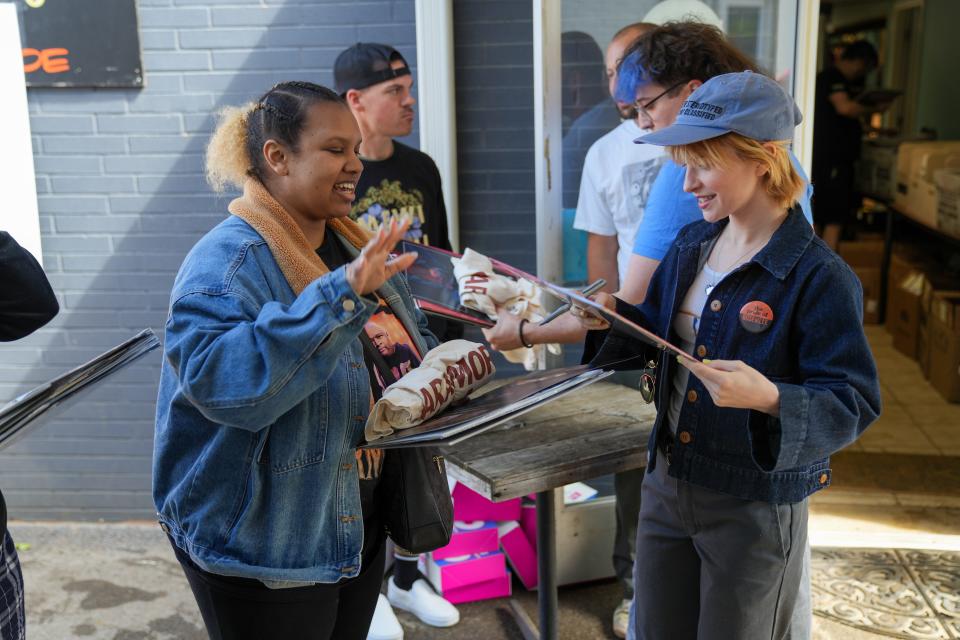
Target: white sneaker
x=424 y=603
x=621 y=619
x=384 y=625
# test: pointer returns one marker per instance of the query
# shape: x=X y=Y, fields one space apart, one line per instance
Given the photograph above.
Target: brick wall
x=122 y=199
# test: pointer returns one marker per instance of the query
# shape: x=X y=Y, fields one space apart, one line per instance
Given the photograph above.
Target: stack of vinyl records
x=492 y=406
x=21 y=414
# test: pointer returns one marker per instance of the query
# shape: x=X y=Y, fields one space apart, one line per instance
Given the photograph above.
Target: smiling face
x=725 y=188
x=318 y=179
x=386 y=108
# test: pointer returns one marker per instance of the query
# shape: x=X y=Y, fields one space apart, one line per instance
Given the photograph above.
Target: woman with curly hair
x=266 y=380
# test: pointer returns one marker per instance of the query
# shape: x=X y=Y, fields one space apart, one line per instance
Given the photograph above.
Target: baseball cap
x=747 y=103
x=366 y=64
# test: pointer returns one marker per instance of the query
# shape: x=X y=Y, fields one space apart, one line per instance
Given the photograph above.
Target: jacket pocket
x=299 y=438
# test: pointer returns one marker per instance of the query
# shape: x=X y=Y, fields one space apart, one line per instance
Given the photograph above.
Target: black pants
x=245 y=609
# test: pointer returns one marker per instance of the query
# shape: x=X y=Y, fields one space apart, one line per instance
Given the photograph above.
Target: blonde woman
x=783 y=375
x=267 y=380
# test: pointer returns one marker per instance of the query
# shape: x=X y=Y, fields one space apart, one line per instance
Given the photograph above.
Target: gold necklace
x=708 y=288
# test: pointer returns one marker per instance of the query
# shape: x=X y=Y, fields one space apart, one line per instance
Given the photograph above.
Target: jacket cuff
x=345 y=303
x=791 y=427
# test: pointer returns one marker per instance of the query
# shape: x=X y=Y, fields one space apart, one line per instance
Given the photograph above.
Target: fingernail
x=705 y=361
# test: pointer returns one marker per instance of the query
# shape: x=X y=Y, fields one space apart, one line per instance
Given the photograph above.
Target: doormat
x=896 y=593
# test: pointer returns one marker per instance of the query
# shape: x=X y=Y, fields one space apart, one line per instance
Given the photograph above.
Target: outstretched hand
x=373 y=266
x=734 y=384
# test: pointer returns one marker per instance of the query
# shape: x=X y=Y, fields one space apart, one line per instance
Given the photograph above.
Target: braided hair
x=235 y=150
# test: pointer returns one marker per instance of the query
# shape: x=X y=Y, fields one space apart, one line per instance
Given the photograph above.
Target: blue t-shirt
x=670 y=208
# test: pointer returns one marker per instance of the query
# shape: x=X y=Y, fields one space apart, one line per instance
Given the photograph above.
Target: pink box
x=499 y=587
x=528 y=522
x=469 y=505
x=455 y=573
x=520 y=553
x=469 y=537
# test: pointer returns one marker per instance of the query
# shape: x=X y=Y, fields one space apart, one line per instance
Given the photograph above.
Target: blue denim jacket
x=263 y=397
x=814 y=350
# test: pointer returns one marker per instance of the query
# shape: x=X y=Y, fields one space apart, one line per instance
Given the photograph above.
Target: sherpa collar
x=298 y=261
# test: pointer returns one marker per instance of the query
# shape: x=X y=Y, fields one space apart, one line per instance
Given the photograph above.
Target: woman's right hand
x=589 y=319
x=373 y=266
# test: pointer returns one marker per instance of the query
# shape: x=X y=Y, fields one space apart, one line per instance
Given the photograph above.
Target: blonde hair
x=228 y=162
x=781 y=180
x=235 y=152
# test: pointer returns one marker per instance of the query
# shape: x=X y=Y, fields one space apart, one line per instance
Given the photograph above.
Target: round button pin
x=756 y=316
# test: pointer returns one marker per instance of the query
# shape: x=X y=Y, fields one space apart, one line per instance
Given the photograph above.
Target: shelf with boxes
x=923 y=317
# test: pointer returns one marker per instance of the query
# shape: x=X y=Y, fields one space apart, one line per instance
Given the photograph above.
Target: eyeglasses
x=645 y=108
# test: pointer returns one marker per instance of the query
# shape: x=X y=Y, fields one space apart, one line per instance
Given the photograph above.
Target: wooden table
x=600 y=429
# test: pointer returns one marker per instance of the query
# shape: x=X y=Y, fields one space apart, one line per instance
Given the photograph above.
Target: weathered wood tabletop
x=600 y=429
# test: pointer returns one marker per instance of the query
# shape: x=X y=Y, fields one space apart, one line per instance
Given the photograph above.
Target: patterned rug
x=897 y=593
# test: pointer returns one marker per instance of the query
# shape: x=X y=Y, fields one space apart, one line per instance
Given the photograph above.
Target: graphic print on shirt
x=381 y=204
x=392 y=341
x=638 y=178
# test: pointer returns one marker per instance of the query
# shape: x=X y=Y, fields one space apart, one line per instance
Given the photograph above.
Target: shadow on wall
x=122 y=199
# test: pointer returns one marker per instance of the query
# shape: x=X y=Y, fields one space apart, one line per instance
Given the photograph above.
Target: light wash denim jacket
x=263 y=398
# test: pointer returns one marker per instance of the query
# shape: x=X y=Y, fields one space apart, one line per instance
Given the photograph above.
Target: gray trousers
x=626 y=488
x=716 y=566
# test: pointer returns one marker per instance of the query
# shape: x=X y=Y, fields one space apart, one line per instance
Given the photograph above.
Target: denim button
x=823 y=478
x=716 y=305
x=691 y=396
x=701 y=351
x=349 y=305
x=685 y=437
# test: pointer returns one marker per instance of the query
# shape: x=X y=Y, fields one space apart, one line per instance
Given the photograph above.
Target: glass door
x=574 y=106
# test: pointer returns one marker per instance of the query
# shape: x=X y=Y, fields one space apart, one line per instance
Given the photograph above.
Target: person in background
x=782 y=375
x=397 y=182
x=616 y=180
x=27 y=302
x=837 y=137
x=266 y=381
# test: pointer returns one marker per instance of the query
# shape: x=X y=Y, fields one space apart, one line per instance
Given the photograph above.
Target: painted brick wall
x=495 y=138
x=122 y=198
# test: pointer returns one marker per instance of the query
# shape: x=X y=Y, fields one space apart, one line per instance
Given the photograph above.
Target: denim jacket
x=263 y=398
x=814 y=350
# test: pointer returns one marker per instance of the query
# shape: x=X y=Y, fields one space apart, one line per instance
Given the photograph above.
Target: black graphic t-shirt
x=389 y=353
x=407 y=184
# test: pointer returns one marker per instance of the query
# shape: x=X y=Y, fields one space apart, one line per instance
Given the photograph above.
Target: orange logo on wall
x=50 y=60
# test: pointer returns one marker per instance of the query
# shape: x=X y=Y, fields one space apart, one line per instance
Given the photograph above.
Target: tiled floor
x=915 y=419
x=886 y=534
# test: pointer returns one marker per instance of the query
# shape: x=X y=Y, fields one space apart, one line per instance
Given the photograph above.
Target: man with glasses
x=659 y=73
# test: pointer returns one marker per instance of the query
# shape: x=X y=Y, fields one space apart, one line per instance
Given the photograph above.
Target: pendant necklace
x=718 y=276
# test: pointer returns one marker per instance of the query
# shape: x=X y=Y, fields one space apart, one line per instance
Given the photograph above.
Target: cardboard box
x=468 y=505
x=916 y=163
x=528 y=522
x=520 y=553
x=865 y=258
x=944 y=346
x=455 y=573
x=862 y=253
x=470 y=537
x=499 y=587
x=903 y=313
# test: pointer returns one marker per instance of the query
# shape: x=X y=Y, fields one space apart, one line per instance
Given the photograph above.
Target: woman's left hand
x=731 y=383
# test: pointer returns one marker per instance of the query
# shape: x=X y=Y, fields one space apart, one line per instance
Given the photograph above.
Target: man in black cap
x=397 y=180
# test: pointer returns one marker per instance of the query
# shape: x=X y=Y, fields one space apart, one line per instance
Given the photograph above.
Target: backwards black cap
x=366 y=64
